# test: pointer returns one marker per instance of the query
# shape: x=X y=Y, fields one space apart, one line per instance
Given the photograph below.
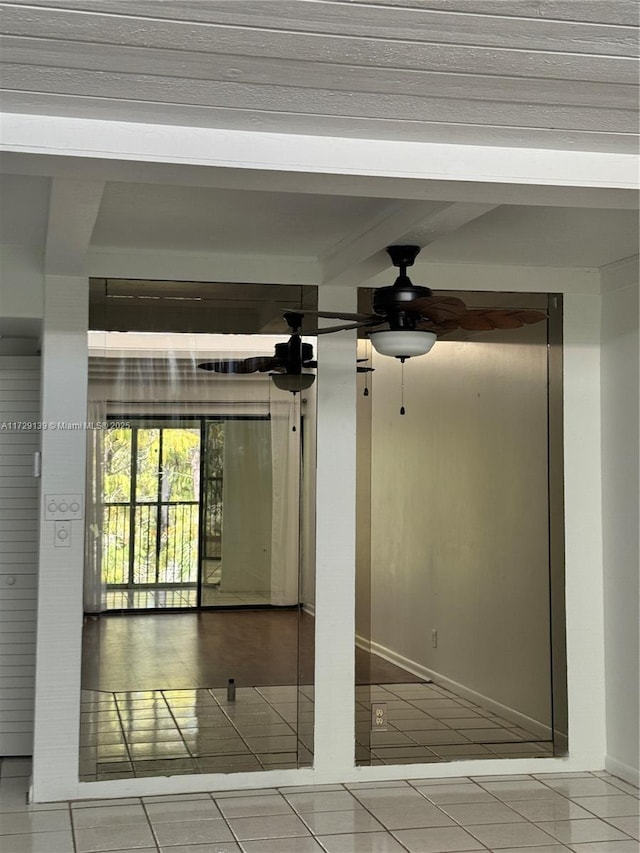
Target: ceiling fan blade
x=508 y=318
x=529 y=315
x=331 y=315
x=503 y=320
x=228 y=365
x=261 y=363
x=240 y=365
x=475 y=322
x=440 y=328
x=369 y=322
x=438 y=308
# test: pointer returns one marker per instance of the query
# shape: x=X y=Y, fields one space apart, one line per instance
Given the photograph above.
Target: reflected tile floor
x=429 y=723
x=168 y=732
x=546 y=813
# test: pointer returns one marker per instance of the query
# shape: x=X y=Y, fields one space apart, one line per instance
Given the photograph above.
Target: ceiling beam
x=445 y=221
x=361 y=256
x=73 y=210
x=342 y=263
x=128 y=151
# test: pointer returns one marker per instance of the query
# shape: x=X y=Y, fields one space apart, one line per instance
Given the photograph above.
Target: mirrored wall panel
x=460 y=610
x=198 y=639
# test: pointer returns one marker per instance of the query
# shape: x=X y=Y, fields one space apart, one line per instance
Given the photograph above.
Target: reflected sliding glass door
x=151 y=515
x=187 y=513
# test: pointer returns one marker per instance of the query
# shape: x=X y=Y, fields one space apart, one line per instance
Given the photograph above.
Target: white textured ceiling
x=554 y=74
x=541 y=236
x=156 y=216
x=153 y=216
x=533 y=73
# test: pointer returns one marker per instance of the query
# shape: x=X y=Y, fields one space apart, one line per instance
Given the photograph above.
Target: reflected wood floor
x=178 y=651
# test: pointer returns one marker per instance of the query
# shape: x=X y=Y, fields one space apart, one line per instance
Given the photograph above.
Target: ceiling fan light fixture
x=293 y=382
x=403 y=343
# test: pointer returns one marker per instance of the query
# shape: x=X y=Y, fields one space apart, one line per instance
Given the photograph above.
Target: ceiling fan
x=287 y=363
x=415 y=318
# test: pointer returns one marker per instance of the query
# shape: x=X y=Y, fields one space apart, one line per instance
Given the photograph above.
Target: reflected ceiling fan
x=287 y=363
x=415 y=318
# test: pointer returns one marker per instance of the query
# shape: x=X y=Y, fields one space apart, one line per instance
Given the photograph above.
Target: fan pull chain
x=402 y=409
x=295 y=397
x=365 y=393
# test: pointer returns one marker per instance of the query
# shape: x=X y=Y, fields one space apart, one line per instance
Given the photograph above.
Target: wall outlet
x=434 y=639
x=379 y=718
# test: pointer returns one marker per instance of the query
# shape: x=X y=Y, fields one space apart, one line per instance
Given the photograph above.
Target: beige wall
x=459 y=525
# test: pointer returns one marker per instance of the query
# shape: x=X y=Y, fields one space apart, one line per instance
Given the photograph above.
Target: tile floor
x=168 y=732
x=548 y=813
x=427 y=723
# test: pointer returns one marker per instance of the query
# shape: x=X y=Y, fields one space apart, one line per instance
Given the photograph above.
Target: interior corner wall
x=459 y=521
x=620 y=383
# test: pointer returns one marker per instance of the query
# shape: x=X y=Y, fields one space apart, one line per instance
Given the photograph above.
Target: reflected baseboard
x=540 y=729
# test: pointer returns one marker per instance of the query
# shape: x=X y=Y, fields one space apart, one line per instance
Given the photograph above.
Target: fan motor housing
x=387 y=301
x=282 y=351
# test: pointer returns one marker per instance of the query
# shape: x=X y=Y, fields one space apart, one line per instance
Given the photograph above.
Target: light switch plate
x=61 y=507
x=62 y=534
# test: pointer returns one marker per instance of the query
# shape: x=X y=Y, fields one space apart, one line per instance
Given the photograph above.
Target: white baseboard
x=393 y=657
x=622 y=770
x=539 y=729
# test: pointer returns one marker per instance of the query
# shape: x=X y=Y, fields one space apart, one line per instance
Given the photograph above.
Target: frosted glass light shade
x=293 y=382
x=404 y=343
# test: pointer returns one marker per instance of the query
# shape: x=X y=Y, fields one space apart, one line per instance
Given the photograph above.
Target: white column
x=583 y=530
x=335 y=549
x=59 y=633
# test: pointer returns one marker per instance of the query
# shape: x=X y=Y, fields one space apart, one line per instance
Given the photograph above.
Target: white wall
x=60 y=573
x=460 y=519
x=246 y=507
x=620 y=382
x=23 y=216
x=308 y=501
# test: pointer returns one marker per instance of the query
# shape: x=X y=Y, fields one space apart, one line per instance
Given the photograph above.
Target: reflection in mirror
x=460 y=614
x=199 y=637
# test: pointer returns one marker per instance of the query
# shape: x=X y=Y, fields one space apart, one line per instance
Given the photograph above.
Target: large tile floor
x=428 y=722
x=579 y=812
x=169 y=732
